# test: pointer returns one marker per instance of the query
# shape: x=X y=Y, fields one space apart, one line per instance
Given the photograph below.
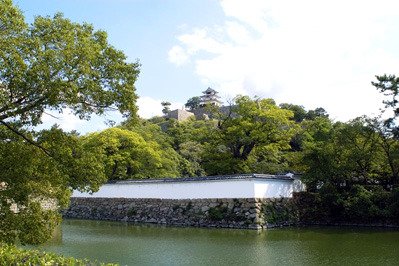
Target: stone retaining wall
x=227 y=213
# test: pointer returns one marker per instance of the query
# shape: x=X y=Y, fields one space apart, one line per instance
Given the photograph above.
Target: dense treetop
x=55 y=63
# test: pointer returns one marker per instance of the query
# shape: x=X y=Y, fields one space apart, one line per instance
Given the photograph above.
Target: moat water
x=129 y=244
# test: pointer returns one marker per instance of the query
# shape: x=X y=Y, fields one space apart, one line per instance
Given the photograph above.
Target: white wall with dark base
x=197 y=189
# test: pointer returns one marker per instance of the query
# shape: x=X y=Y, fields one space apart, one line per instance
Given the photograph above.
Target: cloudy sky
x=311 y=53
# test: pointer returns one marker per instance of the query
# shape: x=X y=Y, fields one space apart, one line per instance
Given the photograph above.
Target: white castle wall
x=203 y=189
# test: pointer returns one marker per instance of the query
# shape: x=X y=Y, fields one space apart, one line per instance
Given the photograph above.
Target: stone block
x=205 y=209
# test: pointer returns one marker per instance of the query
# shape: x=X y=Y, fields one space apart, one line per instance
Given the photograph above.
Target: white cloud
x=66 y=120
x=150 y=107
x=178 y=55
x=314 y=53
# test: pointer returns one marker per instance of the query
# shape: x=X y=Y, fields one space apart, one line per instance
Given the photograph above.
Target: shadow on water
x=130 y=244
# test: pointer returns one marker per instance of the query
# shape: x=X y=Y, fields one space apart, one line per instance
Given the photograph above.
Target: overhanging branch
x=30 y=141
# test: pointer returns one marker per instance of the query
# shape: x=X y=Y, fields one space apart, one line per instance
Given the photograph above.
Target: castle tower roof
x=210 y=96
x=209 y=90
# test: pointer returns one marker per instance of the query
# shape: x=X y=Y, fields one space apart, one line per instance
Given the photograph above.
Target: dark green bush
x=309 y=207
x=10 y=255
x=359 y=204
x=394 y=207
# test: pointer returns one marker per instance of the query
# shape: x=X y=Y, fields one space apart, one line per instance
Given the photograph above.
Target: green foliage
x=318 y=112
x=389 y=145
x=165 y=107
x=350 y=166
x=359 y=205
x=394 y=207
x=301 y=114
x=180 y=141
x=388 y=128
x=255 y=130
x=298 y=110
x=126 y=154
x=344 y=154
x=251 y=137
x=389 y=86
x=189 y=139
x=309 y=207
x=10 y=255
x=52 y=64
x=353 y=167
x=81 y=165
x=192 y=154
x=31 y=178
x=55 y=63
x=193 y=103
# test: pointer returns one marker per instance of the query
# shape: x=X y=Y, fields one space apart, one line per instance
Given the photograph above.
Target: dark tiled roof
x=205 y=178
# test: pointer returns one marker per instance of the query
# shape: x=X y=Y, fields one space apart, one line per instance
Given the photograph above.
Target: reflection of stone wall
x=229 y=213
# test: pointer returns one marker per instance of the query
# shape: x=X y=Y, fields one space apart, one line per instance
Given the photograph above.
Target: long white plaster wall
x=273 y=188
x=210 y=189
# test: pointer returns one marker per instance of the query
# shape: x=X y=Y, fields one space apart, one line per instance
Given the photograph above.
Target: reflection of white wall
x=205 y=189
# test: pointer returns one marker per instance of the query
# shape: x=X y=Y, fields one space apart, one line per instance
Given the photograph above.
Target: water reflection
x=157 y=245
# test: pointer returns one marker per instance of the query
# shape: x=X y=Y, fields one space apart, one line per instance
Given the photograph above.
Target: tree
x=254 y=129
x=318 y=112
x=181 y=140
x=389 y=86
x=31 y=178
x=52 y=64
x=55 y=63
x=193 y=103
x=298 y=110
x=348 y=166
x=344 y=154
x=188 y=139
x=388 y=128
x=166 y=107
x=389 y=144
x=127 y=155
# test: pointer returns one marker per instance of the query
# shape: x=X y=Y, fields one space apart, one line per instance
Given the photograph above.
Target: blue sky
x=313 y=53
x=144 y=30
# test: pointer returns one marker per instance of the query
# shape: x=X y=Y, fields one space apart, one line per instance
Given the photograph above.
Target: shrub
x=309 y=207
x=394 y=208
x=10 y=255
x=360 y=204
